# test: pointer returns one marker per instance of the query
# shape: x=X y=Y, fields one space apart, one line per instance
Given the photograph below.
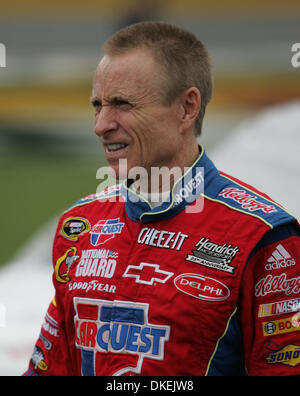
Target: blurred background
x=49 y=154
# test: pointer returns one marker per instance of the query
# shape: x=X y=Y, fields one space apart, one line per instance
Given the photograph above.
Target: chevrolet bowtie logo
x=147 y=274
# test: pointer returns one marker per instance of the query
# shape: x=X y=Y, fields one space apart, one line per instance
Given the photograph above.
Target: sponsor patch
x=247 y=201
x=276 y=284
x=97 y=262
x=202 y=287
x=38 y=359
x=214 y=255
x=280 y=326
x=279 y=259
x=94 y=285
x=50 y=325
x=117 y=327
x=279 y=308
x=289 y=355
x=73 y=227
x=105 y=230
x=64 y=263
x=147 y=274
x=161 y=238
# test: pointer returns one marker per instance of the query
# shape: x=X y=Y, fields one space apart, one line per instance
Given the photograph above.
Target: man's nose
x=105 y=121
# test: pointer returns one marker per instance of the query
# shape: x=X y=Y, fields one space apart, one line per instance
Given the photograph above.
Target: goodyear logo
x=117 y=327
x=289 y=355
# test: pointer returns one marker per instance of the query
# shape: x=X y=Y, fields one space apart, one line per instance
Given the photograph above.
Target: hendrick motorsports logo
x=119 y=329
x=213 y=255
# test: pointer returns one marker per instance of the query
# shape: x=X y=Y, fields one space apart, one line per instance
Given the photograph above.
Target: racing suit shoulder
x=108 y=193
x=244 y=198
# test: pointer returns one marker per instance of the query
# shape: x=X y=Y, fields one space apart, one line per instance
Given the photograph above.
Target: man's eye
x=122 y=105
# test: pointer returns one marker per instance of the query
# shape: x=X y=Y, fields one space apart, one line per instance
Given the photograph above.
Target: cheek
x=138 y=126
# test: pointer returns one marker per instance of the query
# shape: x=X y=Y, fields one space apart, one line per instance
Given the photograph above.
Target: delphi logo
x=105 y=230
x=116 y=333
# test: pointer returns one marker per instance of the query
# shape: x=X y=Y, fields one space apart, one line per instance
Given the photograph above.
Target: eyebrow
x=94 y=100
x=114 y=100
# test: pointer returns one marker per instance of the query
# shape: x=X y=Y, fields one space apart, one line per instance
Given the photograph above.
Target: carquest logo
x=119 y=329
x=105 y=230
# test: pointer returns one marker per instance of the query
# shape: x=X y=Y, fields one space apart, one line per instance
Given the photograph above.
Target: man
x=198 y=277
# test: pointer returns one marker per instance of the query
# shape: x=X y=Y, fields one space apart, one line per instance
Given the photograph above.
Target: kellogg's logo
x=118 y=331
x=247 y=201
x=202 y=287
x=105 y=230
x=277 y=284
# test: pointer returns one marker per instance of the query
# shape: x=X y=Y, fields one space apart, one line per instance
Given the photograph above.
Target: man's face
x=130 y=118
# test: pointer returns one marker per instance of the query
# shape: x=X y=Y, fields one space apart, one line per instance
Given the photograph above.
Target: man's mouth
x=116 y=146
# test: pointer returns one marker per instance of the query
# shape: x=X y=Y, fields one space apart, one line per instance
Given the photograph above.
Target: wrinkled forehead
x=132 y=72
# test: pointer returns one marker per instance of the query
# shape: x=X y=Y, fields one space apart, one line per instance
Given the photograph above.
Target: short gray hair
x=181 y=54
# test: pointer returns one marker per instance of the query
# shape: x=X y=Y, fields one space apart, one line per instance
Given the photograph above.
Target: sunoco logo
x=289 y=355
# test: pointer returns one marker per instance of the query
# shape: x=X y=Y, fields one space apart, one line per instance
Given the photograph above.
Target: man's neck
x=160 y=180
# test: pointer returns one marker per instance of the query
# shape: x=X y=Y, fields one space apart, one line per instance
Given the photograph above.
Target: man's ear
x=190 y=105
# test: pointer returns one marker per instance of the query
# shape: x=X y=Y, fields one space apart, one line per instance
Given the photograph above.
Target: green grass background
x=35 y=188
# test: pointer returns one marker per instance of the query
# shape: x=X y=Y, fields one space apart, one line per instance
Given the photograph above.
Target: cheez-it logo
x=147 y=274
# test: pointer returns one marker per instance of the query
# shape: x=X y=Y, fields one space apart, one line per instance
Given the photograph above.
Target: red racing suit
x=206 y=284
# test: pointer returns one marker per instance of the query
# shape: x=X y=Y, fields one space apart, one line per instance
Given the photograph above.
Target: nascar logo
x=117 y=327
x=105 y=230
